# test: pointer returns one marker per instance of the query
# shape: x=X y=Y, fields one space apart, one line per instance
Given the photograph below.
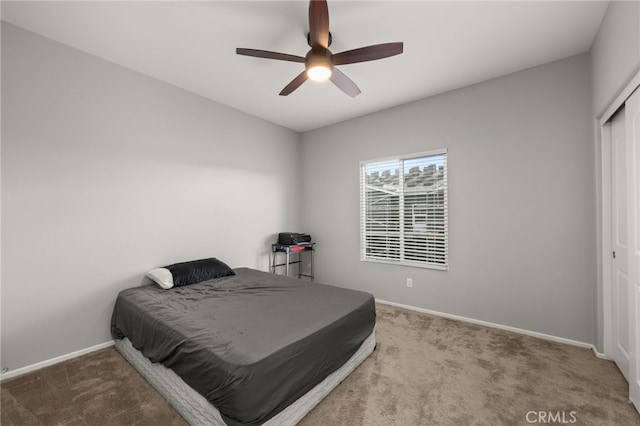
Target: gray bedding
x=251 y=343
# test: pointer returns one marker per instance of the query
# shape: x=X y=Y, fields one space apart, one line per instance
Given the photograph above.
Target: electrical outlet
x=409 y=282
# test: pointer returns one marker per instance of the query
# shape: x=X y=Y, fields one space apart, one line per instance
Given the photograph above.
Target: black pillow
x=196 y=271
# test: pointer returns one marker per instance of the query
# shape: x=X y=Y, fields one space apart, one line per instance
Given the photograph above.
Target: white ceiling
x=447 y=45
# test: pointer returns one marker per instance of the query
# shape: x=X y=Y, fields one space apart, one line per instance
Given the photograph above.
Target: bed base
x=197 y=411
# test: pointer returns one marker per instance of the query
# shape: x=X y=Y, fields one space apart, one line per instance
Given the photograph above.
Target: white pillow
x=162 y=277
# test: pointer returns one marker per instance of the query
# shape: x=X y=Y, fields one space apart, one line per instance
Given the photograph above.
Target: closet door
x=632 y=119
x=620 y=244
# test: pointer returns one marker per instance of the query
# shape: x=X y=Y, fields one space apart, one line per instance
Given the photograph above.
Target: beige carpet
x=429 y=370
x=426 y=370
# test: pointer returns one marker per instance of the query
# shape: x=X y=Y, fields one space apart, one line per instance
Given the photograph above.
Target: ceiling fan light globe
x=319 y=73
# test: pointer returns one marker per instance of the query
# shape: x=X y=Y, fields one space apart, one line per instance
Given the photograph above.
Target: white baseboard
x=52 y=361
x=37 y=366
x=499 y=326
x=601 y=355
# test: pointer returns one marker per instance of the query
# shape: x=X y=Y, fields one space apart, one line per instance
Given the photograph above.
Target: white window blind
x=403 y=210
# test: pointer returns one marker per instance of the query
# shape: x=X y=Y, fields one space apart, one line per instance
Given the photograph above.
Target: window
x=403 y=210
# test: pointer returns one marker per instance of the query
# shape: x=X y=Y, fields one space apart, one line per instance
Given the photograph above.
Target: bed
x=247 y=348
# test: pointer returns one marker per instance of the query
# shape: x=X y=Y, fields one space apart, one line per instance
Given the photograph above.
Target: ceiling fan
x=319 y=62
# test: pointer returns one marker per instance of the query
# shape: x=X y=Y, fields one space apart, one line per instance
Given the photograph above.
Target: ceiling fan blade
x=344 y=83
x=269 y=55
x=369 y=53
x=319 y=23
x=295 y=83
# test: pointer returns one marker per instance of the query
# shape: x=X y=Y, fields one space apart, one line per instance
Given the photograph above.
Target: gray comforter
x=252 y=343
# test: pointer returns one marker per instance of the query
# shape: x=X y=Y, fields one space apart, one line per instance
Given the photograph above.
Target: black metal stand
x=289 y=250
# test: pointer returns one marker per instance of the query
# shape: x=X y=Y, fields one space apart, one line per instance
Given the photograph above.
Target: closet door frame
x=605 y=246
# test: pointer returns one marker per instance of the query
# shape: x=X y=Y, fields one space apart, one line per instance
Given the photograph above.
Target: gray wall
x=521 y=216
x=107 y=173
x=615 y=59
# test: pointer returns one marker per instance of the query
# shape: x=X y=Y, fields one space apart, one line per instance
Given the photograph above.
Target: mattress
x=197 y=411
x=251 y=344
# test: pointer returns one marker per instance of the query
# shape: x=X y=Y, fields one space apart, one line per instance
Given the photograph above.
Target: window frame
x=401 y=212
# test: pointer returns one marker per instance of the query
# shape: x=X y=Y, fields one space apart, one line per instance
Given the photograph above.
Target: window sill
x=406 y=263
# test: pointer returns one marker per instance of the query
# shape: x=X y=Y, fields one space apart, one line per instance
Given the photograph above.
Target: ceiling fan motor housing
x=309 y=39
x=319 y=57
